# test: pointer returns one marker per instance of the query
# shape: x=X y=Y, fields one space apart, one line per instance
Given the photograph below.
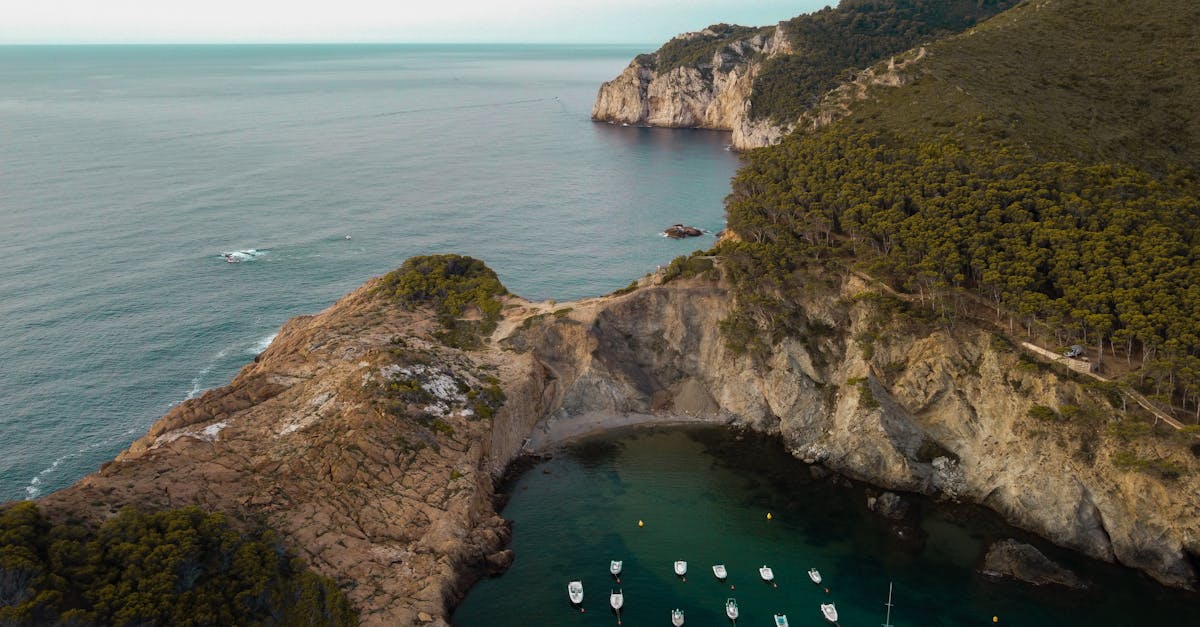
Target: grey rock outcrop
x=1009 y=558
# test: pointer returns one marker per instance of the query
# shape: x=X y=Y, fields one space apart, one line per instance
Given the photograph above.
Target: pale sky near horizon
x=400 y=21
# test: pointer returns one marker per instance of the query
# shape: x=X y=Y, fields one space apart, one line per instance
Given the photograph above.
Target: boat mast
x=887 y=622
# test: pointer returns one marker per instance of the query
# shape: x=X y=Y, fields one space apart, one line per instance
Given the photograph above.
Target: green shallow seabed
x=704 y=494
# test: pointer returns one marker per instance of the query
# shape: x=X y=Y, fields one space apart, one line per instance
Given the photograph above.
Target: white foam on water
x=196 y=389
x=34 y=489
x=262 y=344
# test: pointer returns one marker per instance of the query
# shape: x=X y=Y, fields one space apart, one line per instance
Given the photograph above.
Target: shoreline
x=557 y=431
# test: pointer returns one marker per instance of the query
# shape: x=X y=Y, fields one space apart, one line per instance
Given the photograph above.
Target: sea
x=715 y=496
x=126 y=172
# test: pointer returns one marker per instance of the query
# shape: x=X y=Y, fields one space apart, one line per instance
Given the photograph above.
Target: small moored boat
x=616 y=599
x=766 y=573
x=781 y=620
x=815 y=575
x=677 y=617
x=719 y=571
x=829 y=611
x=575 y=591
x=681 y=568
x=614 y=568
x=731 y=609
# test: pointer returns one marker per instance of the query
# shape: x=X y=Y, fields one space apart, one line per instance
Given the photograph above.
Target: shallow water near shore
x=704 y=494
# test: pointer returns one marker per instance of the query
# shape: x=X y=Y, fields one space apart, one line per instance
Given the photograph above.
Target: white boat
x=766 y=573
x=829 y=611
x=616 y=599
x=781 y=620
x=731 y=609
x=614 y=567
x=681 y=568
x=815 y=575
x=677 y=617
x=575 y=591
x=719 y=572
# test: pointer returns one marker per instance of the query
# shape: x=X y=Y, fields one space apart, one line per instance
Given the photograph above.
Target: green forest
x=1062 y=195
x=181 y=567
x=831 y=45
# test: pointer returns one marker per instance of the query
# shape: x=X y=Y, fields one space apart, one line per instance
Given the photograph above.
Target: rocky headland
x=715 y=92
x=400 y=508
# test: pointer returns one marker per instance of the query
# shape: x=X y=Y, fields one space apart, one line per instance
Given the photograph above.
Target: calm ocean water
x=704 y=496
x=125 y=171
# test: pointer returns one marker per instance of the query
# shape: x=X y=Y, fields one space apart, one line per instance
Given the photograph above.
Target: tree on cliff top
x=451 y=285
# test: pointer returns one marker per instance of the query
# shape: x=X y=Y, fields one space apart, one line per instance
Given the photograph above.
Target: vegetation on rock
x=831 y=45
x=180 y=567
x=697 y=49
x=1017 y=171
x=455 y=287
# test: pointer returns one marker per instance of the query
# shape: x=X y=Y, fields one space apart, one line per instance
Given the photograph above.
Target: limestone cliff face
x=948 y=414
x=715 y=94
x=399 y=509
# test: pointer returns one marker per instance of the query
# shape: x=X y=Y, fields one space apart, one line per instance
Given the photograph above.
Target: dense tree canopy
x=1059 y=207
x=830 y=45
x=181 y=568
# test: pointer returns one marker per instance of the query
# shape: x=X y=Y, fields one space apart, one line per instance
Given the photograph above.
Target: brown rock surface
x=401 y=513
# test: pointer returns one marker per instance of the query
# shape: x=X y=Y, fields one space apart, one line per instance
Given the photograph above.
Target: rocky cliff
x=715 y=93
x=398 y=508
x=712 y=94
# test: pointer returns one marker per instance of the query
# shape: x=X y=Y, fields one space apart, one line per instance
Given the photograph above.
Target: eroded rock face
x=398 y=513
x=714 y=94
x=948 y=414
x=398 y=508
x=1009 y=558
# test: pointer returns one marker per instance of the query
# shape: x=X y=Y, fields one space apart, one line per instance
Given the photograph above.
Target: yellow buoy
x=768 y=515
x=995 y=619
x=641 y=524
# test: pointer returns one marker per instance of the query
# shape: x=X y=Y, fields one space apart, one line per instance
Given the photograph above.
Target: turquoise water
x=125 y=171
x=704 y=495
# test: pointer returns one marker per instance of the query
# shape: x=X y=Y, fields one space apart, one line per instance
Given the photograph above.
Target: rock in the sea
x=1009 y=558
x=889 y=505
x=679 y=231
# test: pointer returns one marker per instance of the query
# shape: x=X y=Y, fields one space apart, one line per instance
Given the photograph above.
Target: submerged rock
x=1009 y=558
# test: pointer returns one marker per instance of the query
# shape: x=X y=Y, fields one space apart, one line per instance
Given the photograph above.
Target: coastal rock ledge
x=1009 y=558
x=400 y=508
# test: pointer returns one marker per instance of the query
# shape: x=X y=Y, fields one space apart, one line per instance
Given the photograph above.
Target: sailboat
x=614 y=567
x=719 y=571
x=767 y=575
x=681 y=569
x=829 y=611
x=575 y=591
x=731 y=609
x=887 y=622
x=815 y=575
x=677 y=617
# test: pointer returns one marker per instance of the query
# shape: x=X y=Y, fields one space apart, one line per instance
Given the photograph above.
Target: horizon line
x=320 y=43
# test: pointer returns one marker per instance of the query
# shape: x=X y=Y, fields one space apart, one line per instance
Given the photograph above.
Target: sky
x=399 y=21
